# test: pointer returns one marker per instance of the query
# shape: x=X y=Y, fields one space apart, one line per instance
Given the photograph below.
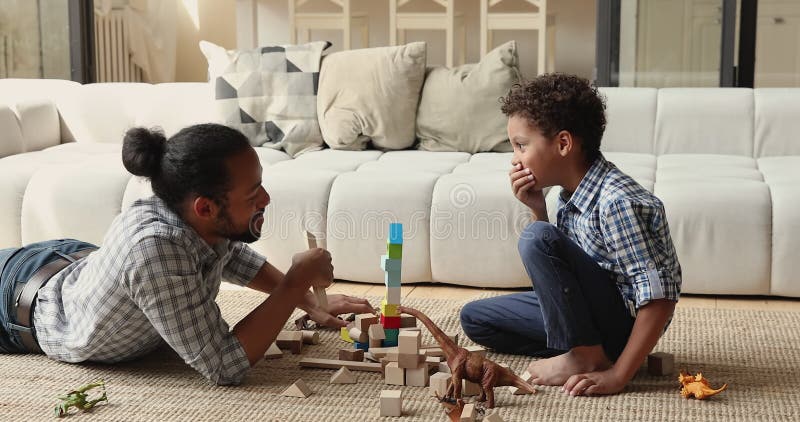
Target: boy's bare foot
x=556 y=370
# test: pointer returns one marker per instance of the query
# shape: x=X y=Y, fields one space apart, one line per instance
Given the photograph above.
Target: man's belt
x=27 y=297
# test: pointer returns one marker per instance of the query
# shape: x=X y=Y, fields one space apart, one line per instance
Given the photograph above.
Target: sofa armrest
x=11 y=141
x=29 y=126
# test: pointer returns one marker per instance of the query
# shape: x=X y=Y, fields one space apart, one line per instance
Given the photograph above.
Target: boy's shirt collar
x=589 y=187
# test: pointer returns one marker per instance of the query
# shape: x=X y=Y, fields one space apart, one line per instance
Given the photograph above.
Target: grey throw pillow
x=269 y=93
x=460 y=109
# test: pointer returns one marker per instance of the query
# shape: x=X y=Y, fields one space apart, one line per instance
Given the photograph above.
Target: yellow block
x=389 y=309
x=345 y=335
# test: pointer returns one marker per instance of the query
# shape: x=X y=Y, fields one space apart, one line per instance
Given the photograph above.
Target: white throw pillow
x=269 y=93
x=371 y=94
x=460 y=108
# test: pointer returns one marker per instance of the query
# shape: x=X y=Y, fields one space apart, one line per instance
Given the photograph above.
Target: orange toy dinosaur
x=697 y=386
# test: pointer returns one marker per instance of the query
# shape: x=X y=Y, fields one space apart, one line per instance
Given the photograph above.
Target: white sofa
x=725 y=162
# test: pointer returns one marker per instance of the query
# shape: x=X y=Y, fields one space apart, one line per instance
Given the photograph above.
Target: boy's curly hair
x=554 y=102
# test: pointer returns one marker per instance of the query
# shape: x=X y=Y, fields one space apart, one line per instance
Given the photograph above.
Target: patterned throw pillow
x=269 y=93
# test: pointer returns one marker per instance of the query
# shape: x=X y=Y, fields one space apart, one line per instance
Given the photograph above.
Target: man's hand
x=594 y=383
x=523 y=184
x=311 y=268
x=339 y=304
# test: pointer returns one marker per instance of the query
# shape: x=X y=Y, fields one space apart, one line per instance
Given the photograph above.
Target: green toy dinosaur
x=78 y=398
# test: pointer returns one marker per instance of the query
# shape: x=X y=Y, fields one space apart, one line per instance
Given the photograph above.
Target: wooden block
x=394 y=375
x=453 y=336
x=319 y=292
x=274 y=352
x=336 y=364
x=375 y=342
x=493 y=417
x=468 y=413
x=443 y=367
x=433 y=361
x=392 y=356
x=469 y=388
x=410 y=361
x=363 y=321
x=439 y=383
x=391 y=403
x=392 y=334
x=660 y=363
x=408 y=342
x=435 y=351
x=359 y=336
x=417 y=377
x=291 y=340
x=384 y=362
x=476 y=349
x=310 y=337
x=391 y=265
x=376 y=332
x=351 y=355
x=389 y=309
x=526 y=376
x=393 y=296
x=394 y=251
x=408 y=321
x=392 y=279
x=344 y=334
x=368 y=356
x=395 y=234
x=409 y=329
x=380 y=352
x=343 y=376
x=390 y=322
x=298 y=389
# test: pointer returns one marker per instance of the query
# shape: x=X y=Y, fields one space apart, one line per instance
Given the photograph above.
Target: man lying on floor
x=159 y=270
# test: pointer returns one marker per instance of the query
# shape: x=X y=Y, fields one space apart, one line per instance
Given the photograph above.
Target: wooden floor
x=427 y=290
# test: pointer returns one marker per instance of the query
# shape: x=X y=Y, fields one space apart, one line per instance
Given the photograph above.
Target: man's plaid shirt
x=153 y=280
x=623 y=227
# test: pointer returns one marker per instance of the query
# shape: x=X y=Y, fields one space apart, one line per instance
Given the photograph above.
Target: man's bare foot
x=556 y=370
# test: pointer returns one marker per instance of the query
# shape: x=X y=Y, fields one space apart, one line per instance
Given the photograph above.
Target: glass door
x=666 y=43
x=44 y=39
x=777 y=55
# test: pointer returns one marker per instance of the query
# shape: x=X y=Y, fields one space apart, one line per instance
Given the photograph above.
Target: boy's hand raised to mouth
x=523 y=184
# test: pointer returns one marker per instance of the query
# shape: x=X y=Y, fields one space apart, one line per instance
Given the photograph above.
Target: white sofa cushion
x=184 y=103
x=103 y=112
x=362 y=205
x=704 y=121
x=631 y=118
x=718 y=210
x=780 y=169
x=785 y=239
x=777 y=126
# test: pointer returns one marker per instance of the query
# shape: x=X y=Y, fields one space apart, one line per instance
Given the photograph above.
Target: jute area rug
x=755 y=352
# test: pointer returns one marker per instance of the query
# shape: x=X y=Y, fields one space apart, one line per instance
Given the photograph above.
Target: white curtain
x=152 y=34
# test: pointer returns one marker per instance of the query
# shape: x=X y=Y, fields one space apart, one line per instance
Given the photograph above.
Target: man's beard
x=250 y=235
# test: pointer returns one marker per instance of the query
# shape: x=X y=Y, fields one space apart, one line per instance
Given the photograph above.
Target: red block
x=390 y=321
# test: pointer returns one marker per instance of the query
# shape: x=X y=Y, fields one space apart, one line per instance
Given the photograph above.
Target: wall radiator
x=112 y=58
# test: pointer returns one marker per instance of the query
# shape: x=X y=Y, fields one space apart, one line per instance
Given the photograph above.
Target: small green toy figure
x=78 y=397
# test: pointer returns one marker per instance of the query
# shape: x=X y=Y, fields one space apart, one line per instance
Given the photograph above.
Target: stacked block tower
x=391 y=264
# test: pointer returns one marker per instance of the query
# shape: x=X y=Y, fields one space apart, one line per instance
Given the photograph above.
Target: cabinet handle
x=779 y=20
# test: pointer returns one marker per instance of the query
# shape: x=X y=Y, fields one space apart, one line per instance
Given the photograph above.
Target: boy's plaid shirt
x=624 y=228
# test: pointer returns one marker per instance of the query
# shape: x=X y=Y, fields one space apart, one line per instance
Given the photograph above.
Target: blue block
x=392 y=279
x=387 y=343
x=389 y=264
x=396 y=233
x=362 y=346
x=391 y=335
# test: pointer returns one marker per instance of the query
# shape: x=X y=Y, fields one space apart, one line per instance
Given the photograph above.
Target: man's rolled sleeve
x=637 y=235
x=243 y=265
x=164 y=285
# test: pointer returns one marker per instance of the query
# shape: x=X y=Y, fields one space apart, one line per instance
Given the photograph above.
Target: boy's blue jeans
x=574 y=303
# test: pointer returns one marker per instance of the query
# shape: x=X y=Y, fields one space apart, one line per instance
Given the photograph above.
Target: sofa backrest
x=777 y=121
x=734 y=121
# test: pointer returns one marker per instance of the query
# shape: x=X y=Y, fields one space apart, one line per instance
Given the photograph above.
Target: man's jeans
x=17 y=265
x=574 y=303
